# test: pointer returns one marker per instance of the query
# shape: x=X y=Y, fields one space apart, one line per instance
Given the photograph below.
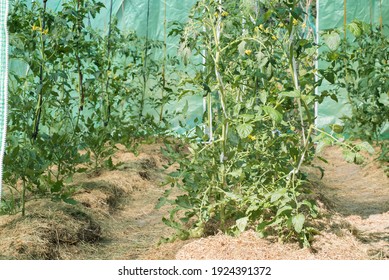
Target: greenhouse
x=196 y=129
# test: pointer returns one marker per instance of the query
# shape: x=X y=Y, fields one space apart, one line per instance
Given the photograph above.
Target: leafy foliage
x=73 y=89
x=243 y=169
x=361 y=67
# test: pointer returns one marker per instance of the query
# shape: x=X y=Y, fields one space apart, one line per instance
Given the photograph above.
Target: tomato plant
x=74 y=88
x=243 y=169
x=361 y=67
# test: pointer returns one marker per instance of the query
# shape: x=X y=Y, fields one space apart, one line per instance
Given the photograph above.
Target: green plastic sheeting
x=331 y=15
x=146 y=18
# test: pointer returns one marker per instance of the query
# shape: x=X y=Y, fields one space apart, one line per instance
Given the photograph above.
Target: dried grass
x=116 y=218
x=46 y=227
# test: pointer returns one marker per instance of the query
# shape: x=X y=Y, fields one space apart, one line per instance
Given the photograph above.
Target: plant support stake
x=164 y=61
x=107 y=102
x=80 y=75
x=141 y=105
x=38 y=111
x=3 y=80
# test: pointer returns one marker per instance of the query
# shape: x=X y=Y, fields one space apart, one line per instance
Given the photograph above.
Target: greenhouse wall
x=330 y=16
x=146 y=18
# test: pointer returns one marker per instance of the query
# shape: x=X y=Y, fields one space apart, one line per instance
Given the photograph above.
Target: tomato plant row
x=74 y=88
x=77 y=89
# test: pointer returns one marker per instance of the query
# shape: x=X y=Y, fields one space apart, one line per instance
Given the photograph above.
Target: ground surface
x=116 y=218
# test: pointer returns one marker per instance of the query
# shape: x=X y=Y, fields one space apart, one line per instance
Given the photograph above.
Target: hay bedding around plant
x=90 y=229
x=39 y=234
x=354 y=201
x=116 y=219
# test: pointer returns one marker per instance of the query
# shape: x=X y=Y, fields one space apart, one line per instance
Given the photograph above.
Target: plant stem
x=80 y=75
x=334 y=138
x=38 y=111
x=210 y=126
x=164 y=61
x=294 y=73
x=145 y=57
x=107 y=99
x=24 y=198
x=306 y=145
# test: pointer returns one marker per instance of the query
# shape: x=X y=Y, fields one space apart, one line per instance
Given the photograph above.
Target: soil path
x=361 y=190
x=132 y=230
x=360 y=193
x=135 y=226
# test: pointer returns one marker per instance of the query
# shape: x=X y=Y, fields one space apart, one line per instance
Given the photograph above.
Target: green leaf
x=242 y=223
x=349 y=156
x=307 y=203
x=57 y=186
x=70 y=201
x=250 y=103
x=359 y=159
x=334 y=97
x=329 y=75
x=332 y=40
x=237 y=108
x=199 y=132
x=294 y=93
x=232 y=196
x=183 y=201
x=263 y=96
x=246 y=117
x=253 y=207
x=337 y=128
x=365 y=146
x=161 y=202
x=236 y=173
x=244 y=130
x=262 y=59
x=354 y=29
x=298 y=222
x=242 y=48
x=273 y=113
x=171 y=223
x=68 y=180
x=185 y=109
x=284 y=209
x=269 y=71
x=109 y=163
x=278 y=194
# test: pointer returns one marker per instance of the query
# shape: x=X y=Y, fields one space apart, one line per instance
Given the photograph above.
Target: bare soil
x=116 y=217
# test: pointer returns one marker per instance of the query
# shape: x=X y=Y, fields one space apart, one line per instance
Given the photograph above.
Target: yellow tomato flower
x=251 y=137
x=224 y=14
x=248 y=52
x=274 y=37
x=304 y=25
x=295 y=21
x=281 y=24
x=261 y=27
x=34 y=28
